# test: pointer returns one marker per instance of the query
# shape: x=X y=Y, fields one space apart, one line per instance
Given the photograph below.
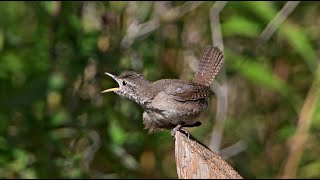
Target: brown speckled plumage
x=171 y=102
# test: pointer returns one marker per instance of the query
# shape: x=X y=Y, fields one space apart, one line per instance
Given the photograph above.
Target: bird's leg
x=186 y=132
x=177 y=128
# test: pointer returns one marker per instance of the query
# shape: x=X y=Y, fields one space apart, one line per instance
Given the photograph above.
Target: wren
x=171 y=103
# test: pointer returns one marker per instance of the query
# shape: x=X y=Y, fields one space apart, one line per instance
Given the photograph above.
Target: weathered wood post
x=195 y=161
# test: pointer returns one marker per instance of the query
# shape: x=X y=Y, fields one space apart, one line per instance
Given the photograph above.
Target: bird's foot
x=177 y=128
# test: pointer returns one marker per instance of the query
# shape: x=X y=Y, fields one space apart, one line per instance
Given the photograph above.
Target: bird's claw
x=177 y=128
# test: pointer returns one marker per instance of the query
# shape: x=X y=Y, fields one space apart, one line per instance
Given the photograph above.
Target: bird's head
x=129 y=82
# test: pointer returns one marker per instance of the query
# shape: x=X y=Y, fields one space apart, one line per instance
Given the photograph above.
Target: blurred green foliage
x=54 y=123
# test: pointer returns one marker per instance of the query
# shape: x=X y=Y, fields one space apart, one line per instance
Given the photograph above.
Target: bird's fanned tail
x=209 y=66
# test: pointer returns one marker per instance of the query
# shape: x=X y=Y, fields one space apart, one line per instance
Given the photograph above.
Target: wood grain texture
x=195 y=161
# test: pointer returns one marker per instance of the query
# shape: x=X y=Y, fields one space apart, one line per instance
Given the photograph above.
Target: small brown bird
x=171 y=103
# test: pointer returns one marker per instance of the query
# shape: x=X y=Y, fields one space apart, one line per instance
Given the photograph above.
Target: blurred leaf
x=10 y=63
x=316 y=114
x=21 y=160
x=264 y=9
x=44 y=50
x=258 y=73
x=28 y=174
x=125 y=62
x=301 y=43
x=50 y=6
x=118 y=5
x=286 y=132
x=311 y=170
x=1 y=39
x=74 y=173
x=143 y=8
x=103 y=43
x=237 y=25
x=262 y=75
x=4 y=123
x=88 y=44
x=56 y=81
x=3 y=146
x=11 y=11
x=118 y=135
x=53 y=100
x=59 y=118
x=75 y=21
x=38 y=109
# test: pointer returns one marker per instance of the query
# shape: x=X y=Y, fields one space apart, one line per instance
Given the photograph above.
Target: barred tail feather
x=209 y=66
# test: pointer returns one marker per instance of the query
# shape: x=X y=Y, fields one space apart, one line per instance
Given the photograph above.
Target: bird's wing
x=188 y=92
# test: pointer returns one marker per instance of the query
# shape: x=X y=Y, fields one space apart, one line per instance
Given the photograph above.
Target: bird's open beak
x=112 y=89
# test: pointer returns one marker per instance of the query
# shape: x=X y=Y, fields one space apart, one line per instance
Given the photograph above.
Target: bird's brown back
x=182 y=90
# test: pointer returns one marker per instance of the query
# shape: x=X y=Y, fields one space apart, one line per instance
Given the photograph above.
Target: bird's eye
x=124 y=83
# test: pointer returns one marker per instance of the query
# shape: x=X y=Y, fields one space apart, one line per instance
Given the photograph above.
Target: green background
x=55 y=123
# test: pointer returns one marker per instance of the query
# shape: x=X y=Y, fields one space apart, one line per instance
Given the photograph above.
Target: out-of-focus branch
x=136 y=30
x=177 y=12
x=91 y=150
x=215 y=23
x=233 y=150
x=277 y=20
x=219 y=89
x=297 y=142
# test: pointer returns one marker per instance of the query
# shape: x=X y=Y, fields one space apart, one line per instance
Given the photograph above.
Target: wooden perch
x=195 y=161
